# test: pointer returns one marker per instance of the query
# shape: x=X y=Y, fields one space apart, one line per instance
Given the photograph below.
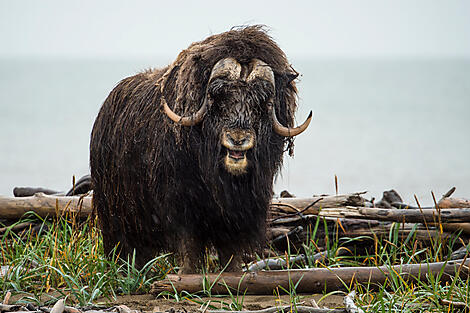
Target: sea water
x=378 y=123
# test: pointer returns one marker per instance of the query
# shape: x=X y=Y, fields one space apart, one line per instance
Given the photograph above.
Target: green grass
x=64 y=258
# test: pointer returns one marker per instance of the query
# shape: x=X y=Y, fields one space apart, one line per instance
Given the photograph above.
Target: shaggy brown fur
x=159 y=186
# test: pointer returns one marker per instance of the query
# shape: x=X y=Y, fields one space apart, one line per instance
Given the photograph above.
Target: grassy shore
x=63 y=257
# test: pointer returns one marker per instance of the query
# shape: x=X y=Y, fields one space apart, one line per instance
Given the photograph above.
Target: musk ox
x=183 y=158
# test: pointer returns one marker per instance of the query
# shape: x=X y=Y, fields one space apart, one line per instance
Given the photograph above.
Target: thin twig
x=286 y=308
x=299 y=213
x=454 y=304
x=448 y=193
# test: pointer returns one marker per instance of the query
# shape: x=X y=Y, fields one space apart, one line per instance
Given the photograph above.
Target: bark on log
x=307 y=281
x=447 y=202
x=295 y=205
x=450 y=215
x=30 y=191
x=44 y=205
x=16 y=227
x=353 y=228
x=332 y=206
x=455 y=227
x=454 y=203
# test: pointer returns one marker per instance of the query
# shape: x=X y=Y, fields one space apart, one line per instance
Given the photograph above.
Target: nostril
x=242 y=141
x=238 y=141
x=230 y=139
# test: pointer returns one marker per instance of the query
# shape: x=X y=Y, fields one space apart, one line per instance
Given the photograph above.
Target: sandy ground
x=148 y=303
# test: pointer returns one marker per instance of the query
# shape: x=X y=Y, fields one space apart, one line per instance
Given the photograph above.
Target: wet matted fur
x=161 y=187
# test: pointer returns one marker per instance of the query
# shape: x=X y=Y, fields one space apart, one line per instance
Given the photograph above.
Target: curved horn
x=192 y=120
x=288 y=131
x=227 y=67
x=261 y=70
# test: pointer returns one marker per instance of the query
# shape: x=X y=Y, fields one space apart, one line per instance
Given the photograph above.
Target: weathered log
x=455 y=227
x=353 y=228
x=16 y=227
x=388 y=198
x=429 y=215
x=460 y=253
x=450 y=215
x=30 y=191
x=274 y=263
x=295 y=205
x=44 y=205
x=308 y=281
x=454 y=203
x=447 y=202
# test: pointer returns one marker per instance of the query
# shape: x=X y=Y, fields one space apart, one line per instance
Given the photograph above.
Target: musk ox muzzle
x=237 y=142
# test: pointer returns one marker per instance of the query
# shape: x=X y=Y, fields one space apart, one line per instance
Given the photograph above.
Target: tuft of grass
x=63 y=256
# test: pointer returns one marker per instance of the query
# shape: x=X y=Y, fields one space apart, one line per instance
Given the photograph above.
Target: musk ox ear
x=291 y=75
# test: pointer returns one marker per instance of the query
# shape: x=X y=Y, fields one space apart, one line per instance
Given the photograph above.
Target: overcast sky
x=117 y=28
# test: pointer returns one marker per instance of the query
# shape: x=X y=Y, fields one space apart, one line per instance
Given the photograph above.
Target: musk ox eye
x=218 y=88
x=264 y=88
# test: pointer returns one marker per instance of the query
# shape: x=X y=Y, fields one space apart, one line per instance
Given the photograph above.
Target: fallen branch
x=454 y=203
x=274 y=263
x=455 y=304
x=286 y=308
x=308 y=281
x=295 y=205
x=31 y=191
x=16 y=227
x=450 y=215
x=44 y=205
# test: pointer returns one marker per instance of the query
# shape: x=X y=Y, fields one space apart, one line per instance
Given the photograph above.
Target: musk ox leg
x=190 y=255
x=230 y=260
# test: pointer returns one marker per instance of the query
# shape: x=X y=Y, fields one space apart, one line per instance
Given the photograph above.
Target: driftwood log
x=313 y=205
x=44 y=205
x=31 y=191
x=450 y=215
x=308 y=281
x=447 y=202
x=327 y=206
x=454 y=203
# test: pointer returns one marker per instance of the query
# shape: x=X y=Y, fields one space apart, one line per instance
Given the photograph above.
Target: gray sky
x=116 y=28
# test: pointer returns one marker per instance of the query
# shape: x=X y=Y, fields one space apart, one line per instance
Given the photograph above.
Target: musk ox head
x=240 y=98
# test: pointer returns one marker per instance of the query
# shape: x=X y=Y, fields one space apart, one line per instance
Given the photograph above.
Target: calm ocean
x=378 y=124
